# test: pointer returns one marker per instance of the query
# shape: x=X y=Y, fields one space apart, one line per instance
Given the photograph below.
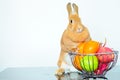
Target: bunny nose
x=79 y=30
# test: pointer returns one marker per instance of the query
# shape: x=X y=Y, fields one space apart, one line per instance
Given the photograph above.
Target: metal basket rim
x=93 y=54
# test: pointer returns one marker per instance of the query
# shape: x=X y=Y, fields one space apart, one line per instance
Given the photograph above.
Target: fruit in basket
x=89 y=47
x=102 y=67
x=89 y=63
x=80 y=47
x=76 y=62
x=106 y=55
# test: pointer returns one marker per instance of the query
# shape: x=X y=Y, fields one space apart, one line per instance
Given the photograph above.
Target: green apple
x=89 y=63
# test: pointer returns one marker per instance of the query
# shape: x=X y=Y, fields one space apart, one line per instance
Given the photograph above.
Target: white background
x=30 y=30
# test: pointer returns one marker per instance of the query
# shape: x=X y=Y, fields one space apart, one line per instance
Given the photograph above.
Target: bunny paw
x=60 y=71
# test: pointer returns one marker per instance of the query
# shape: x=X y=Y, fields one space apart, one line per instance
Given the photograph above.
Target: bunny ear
x=69 y=8
x=75 y=7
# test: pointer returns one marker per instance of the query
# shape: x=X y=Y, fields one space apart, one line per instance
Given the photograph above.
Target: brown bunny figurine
x=75 y=33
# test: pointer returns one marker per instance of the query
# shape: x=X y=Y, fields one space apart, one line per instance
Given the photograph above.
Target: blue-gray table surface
x=44 y=73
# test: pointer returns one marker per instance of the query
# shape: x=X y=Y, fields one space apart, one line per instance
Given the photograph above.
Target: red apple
x=105 y=54
x=101 y=68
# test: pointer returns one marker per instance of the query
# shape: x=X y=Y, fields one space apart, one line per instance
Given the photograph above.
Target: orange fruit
x=80 y=47
x=76 y=62
x=91 y=47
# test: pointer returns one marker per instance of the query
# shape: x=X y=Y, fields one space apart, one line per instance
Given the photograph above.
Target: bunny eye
x=71 y=21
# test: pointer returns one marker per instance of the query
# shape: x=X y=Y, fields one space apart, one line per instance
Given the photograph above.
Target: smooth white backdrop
x=30 y=30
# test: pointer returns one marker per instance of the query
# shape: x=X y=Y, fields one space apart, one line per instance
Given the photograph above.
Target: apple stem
x=105 y=42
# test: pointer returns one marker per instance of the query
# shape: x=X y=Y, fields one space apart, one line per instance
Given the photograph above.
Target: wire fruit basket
x=94 y=65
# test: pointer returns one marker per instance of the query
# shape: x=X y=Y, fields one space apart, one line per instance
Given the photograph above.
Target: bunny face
x=74 y=24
